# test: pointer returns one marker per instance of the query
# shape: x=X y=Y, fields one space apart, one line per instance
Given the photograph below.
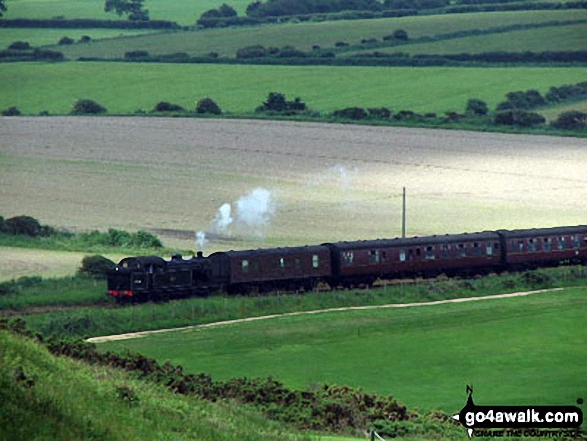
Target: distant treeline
x=80 y=23
x=290 y=56
x=290 y=11
x=30 y=55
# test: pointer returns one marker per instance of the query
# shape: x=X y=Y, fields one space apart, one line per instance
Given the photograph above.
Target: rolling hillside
x=227 y=41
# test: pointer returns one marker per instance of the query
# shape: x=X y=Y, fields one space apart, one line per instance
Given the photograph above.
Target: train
x=345 y=264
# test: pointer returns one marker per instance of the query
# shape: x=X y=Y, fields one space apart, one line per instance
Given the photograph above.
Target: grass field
x=42 y=37
x=327 y=182
x=184 y=12
x=515 y=350
x=304 y=35
x=123 y=87
x=26 y=262
x=559 y=38
x=19 y=262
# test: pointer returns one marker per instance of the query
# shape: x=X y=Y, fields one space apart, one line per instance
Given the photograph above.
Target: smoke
x=223 y=218
x=249 y=215
x=339 y=182
x=201 y=240
x=338 y=175
x=256 y=209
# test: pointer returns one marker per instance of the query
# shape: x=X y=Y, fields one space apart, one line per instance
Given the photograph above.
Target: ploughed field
x=323 y=182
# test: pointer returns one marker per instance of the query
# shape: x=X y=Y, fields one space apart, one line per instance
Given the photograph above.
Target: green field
x=521 y=350
x=42 y=37
x=124 y=88
x=304 y=35
x=559 y=38
x=185 y=12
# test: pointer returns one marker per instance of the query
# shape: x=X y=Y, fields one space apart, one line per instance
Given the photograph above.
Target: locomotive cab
x=135 y=276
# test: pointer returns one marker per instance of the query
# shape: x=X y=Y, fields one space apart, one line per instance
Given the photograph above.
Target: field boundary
x=140 y=334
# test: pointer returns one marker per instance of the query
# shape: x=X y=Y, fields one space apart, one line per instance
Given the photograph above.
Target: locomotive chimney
x=199 y=255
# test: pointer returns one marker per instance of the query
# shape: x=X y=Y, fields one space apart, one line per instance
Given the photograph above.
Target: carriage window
x=374 y=256
x=281 y=263
x=512 y=246
x=461 y=250
x=445 y=251
x=531 y=245
x=576 y=241
x=430 y=253
x=402 y=255
x=477 y=249
x=315 y=261
x=256 y=266
x=348 y=257
x=245 y=266
x=489 y=250
x=383 y=256
x=547 y=244
x=520 y=245
x=298 y=263
x=418 y=252
x=562 y=243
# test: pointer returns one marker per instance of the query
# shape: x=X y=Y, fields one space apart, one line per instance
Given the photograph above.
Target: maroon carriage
x=365 y=261
x=537 y=247
x=265 y=270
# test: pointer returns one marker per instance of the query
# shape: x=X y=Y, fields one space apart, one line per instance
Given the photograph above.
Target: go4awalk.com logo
x=518 y=421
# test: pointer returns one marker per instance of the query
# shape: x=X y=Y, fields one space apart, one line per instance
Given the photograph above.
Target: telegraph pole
x=404 y=214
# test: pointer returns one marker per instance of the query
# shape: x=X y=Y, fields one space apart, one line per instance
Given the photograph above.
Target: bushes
x=87 y=107
x=518 y=118
x=96 y=266
x=66 y=41
x=20 y=46
x=164 y=106
x=477 y=107
x=276 y=102
x=135 y=55
x=11 y=111
x=350 y=113
x=22 y=225
x=208 y=106
x=571 y=120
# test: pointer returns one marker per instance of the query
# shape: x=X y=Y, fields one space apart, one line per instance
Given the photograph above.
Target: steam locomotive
x=346 y=264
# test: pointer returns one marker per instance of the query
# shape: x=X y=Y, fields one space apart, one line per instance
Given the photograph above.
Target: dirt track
x=321 y=311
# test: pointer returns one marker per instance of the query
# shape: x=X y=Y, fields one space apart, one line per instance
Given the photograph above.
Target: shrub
x=66 y=40
x=350 y=113
x=164 y=106
x=11 y=111
x=256 y=51
x=87 y=107
x=381 y=112
x=22 y=225
x=207 y=105
x=85 y=39
x=96 y=266
x=476 y=107
x=276 y=102
x=518 y=118
x=133 y=55
x=20 y=46
x=341 y=44
x=572 y=119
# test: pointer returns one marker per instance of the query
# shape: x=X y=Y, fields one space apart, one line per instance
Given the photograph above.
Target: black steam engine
x=346 y=264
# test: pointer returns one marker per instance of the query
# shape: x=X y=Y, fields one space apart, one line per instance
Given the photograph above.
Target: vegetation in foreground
x=46 y=397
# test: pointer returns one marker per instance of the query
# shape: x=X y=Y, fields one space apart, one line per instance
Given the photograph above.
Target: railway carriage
x=537 y=247
x=364 y=261
x=268 y=269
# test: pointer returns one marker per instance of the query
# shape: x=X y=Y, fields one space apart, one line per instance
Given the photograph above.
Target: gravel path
x=320 y=311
